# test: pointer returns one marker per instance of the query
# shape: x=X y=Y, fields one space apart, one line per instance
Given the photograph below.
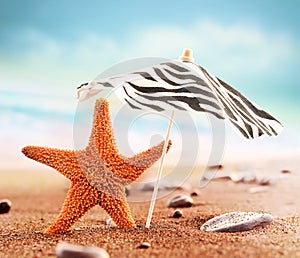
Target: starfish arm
x=80 y=198
x=97 y=173
x=102 y=138
x=118 y=209
x=63 y=161
x=142 y=161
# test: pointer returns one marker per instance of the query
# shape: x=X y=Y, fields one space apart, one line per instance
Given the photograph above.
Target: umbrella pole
x=160 y=169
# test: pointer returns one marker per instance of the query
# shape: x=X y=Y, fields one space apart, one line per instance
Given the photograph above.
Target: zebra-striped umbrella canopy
x=185 y=85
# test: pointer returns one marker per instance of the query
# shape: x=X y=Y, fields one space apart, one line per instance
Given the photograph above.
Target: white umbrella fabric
x=184 y=85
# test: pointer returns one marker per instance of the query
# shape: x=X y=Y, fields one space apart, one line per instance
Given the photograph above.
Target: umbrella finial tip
x=187 y=55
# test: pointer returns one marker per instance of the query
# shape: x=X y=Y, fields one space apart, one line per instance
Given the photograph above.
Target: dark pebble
x=177 y=214
x=216 y=167
x=4 y=206
x=144 y=245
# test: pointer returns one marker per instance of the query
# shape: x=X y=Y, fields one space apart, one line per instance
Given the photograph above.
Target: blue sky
x=47 y=48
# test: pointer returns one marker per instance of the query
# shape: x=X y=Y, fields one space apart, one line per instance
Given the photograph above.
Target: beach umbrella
x=184 y=85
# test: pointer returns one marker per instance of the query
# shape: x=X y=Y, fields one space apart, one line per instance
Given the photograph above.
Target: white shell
x=65 y=250
x=236 y=222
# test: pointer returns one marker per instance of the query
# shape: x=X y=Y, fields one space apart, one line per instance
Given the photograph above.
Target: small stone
x=249 y=178
x=286 y=171
x=265 y=180
x=5 y=206
x=110 y=222
x=65 y=250
x=194 y=194
x=236 y=222
x=180 y=201
x=144 y=245
x=177 y=214
x=220 y=176
x=243 y=177
x=236 y=177
x=216 y=167
x=258 y=189
x=127 y=191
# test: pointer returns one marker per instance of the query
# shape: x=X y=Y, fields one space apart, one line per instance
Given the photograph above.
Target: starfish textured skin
x=98 y=173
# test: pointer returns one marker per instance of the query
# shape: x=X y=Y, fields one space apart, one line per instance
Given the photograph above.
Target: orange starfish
x=98 y=173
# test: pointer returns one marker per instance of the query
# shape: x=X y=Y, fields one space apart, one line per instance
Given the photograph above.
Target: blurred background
x=48 y=48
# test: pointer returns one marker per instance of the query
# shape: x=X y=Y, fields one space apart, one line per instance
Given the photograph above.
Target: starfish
x=98 y=173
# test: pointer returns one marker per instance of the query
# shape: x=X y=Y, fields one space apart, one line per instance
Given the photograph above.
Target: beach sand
x=38 y=196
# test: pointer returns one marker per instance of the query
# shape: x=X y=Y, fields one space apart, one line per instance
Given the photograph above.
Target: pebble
x=110 y=222
x=236 y=222
x=127 y=192
x=265 y=180
x=177 y=214
x=286 y=171
x=249 y=178
x=144 y=245
x=258 y=189
x=246 y=177
x=223 y=175
x=5 y=206
x=236 y=177
x=216 y=167
x=180 y=201
x=65 y=250
x=194 y=194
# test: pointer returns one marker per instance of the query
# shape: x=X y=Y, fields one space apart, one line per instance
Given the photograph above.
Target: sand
x=37 y=198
